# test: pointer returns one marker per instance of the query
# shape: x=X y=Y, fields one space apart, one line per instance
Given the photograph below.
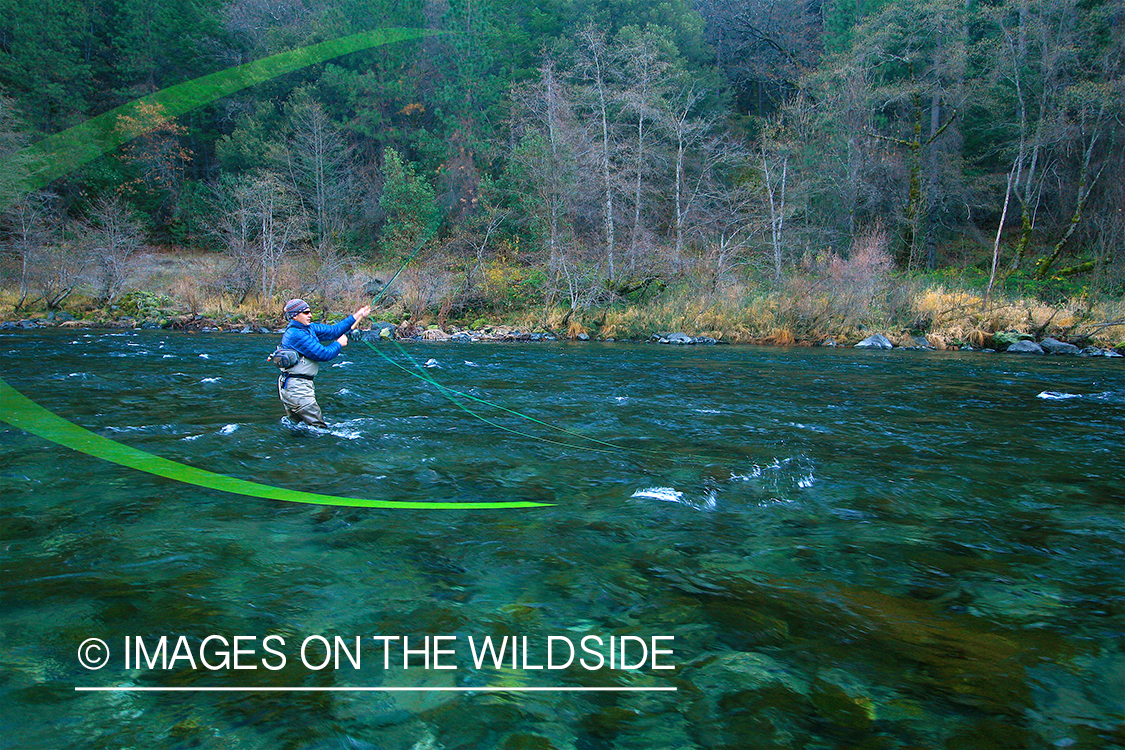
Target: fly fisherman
x=304 y=341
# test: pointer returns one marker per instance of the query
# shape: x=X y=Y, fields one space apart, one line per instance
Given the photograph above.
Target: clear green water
x=850 y=549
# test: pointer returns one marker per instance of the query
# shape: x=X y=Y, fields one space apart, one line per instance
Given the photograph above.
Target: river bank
x=1003 y=341
x=182 y=290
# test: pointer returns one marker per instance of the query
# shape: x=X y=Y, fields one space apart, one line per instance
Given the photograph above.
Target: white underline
x=485 y=689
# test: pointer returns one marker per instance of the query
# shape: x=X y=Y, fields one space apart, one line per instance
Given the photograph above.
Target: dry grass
x=958 y=316
x=829 y=298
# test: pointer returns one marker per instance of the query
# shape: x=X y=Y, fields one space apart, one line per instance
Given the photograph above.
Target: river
x=733 y=547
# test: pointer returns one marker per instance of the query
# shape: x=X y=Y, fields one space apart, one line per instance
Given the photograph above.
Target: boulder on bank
x=878 y=341
x=1054 y=346
x=680 y=339
x=381 y=330
x=921 y=342
x=1025 y=347
x=1002 y=339
x=435 y=334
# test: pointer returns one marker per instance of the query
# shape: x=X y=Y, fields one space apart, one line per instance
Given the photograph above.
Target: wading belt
x=286 y=375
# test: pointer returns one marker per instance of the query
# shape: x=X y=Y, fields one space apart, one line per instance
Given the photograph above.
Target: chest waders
x=295 y=388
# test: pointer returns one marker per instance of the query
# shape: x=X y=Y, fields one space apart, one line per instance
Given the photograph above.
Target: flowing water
x=814 y=548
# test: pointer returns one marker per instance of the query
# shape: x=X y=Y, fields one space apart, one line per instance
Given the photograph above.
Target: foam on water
x=709 y=501
x=665 y=494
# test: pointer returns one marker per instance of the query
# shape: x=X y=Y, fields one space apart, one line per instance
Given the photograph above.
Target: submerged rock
x=739 y=671
x=842 y=699
x=1025 y=347
x=878 y=341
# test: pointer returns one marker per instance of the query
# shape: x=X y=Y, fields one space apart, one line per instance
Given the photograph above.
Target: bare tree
x=688 y=132
x=280 y=225
x=764 y=46
x=258 y=220
x=775 y=174
x=646 y=73
x=29 y=224
x=232 y=225
x=257 y=22
x=116 y=239
x=729 y=208
x=596 y=64
x=545 y=152
x=56 y=269
x=318 y=162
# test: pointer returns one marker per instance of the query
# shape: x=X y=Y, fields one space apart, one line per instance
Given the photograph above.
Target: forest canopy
x=575 y=153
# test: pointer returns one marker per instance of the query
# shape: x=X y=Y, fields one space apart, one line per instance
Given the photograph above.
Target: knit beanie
x=294 y=306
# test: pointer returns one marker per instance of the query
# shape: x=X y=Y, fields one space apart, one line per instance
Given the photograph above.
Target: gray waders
x=295 y=387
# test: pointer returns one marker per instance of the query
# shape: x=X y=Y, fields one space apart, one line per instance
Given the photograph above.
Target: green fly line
x=20 y=411
x=45 y=161
x=452 y=394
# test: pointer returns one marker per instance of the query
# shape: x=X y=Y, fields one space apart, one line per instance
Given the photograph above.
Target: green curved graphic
x=20 y=411
x=50 y=158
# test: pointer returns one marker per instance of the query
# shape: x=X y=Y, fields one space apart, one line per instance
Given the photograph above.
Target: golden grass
x=8 y=300
x=803 y=310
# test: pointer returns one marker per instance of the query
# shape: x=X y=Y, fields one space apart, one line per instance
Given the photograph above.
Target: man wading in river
x=302 y=349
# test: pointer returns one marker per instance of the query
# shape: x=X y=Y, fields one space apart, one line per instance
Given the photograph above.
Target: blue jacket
x=307 y=339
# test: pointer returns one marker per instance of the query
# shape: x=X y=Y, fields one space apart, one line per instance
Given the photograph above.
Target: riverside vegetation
x=827 y=303
x=827 y=299
x=750 y=174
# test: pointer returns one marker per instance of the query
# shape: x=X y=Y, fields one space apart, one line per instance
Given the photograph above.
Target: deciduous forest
x=771 y=170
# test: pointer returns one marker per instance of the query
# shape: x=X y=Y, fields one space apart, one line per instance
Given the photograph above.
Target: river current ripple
x=840 y=548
